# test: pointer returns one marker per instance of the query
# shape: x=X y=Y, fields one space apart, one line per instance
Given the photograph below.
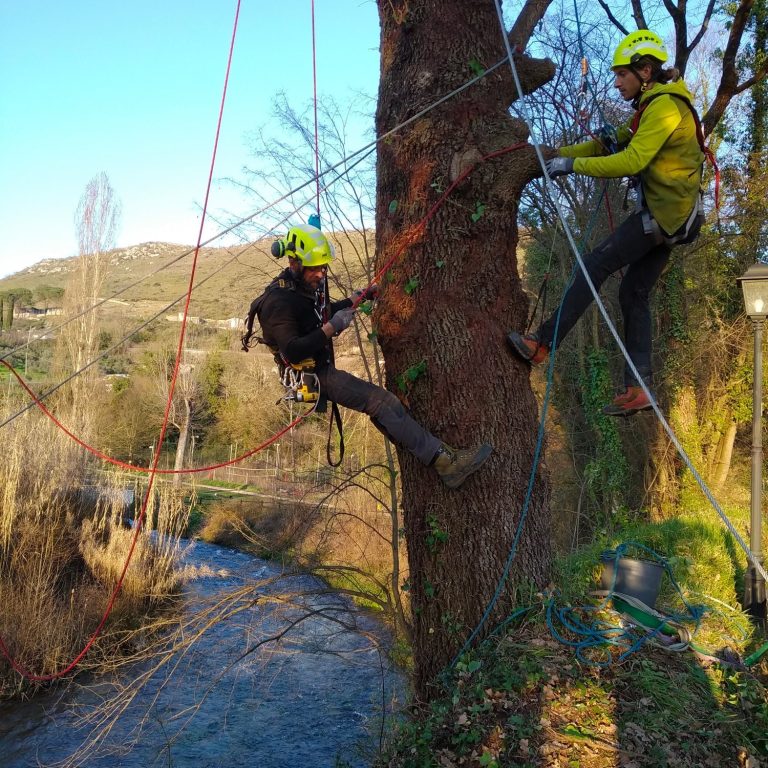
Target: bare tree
x=96 y=221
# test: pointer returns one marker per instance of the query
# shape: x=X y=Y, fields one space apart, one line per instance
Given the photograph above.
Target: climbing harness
x=300 y=382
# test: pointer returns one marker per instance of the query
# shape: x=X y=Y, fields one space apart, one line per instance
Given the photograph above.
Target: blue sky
x=133 y=89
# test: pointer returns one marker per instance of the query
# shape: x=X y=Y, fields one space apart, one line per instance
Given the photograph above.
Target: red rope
x=153 y=471
x=132 y=467
x=314 y=92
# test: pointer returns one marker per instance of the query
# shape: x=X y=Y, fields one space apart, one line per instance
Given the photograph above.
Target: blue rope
x=602 y=634
x=532 y=476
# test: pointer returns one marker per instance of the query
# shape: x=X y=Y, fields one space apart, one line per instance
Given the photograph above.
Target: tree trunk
x=469 y=295
x=724 y=456
x=181 y=448
x=8 y=303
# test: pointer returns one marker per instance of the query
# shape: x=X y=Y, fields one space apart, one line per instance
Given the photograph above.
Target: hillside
x=151 y=275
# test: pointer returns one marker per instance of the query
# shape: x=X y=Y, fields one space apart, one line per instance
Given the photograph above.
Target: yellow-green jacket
x=664 y=152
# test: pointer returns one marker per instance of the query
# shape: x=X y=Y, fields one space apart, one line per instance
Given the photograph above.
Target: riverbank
x=263 y=666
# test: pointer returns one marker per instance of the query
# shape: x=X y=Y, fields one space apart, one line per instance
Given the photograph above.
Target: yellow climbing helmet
x=637 y=45
x=305 y=243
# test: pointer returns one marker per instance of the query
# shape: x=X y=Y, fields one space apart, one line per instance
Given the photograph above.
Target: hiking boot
x=455 y=466
x=528 y=347
x=628 y=403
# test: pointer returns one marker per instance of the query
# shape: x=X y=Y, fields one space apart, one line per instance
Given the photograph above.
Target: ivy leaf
x=479 y=211
x=440 y=263
x=389 y=277
x=392 y=207
x=366 y=307
x=419 y=369
x=411 y=285
x=373 y=336
x=476 y=67
x=407 y=377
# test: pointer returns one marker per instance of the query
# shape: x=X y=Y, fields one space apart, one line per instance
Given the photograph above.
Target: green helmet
x=307 y=244
x=637 y=45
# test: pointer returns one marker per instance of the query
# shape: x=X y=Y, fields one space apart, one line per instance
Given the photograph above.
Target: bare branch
x=531 y=14
x=612 y=18
x=729 y=82
x=704 y=26
x=637 y=12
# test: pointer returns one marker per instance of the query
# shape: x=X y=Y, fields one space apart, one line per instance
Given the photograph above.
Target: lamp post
x=754 y=285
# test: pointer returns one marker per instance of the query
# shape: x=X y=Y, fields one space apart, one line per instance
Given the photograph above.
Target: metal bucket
x=640 y=579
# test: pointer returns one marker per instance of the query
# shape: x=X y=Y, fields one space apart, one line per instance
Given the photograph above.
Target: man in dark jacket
x=296 y=320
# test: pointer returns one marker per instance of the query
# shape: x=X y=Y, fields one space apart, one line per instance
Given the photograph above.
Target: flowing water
x=314 y=698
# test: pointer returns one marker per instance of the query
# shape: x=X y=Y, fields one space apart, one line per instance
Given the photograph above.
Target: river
x=313 y=699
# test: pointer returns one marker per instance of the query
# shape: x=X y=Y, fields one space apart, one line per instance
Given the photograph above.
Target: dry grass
x=344 y=536
x=63 y=545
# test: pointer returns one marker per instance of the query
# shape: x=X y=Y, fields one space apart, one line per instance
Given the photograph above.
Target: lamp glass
x=755 y=297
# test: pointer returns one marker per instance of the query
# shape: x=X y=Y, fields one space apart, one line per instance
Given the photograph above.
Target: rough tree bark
x=469 y=295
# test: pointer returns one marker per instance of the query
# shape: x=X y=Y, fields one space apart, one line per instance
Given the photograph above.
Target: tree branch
x=704 y=26
x=729 y=82
x=637 y=12
x=531 y=14
x=616 y=23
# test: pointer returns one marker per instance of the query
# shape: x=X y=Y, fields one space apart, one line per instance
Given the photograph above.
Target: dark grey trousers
x=386 y=411
x=629 y=246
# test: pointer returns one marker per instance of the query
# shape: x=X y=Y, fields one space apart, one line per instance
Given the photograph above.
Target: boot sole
x=522 y=351
x=622 y=413
x=482 y=456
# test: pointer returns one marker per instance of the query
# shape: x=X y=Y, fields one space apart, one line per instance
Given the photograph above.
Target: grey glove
x=559 y=166
x=342 y=319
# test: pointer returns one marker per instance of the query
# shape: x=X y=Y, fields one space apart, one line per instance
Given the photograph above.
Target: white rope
x=268 y=206
x=569 y=235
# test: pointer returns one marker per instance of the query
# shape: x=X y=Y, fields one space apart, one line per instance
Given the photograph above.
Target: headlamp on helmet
x=305 y=243
x=636 y=46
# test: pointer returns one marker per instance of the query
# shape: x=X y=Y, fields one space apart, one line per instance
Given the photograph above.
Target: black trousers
x=387 y=413
x=629 y=246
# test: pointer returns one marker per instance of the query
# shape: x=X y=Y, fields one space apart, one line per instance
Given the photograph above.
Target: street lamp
x=754 y=285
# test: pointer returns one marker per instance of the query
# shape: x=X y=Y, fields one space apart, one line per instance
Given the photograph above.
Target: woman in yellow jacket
x=661 y=147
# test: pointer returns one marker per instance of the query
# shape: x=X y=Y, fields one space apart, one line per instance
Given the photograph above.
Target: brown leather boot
x=455 y=466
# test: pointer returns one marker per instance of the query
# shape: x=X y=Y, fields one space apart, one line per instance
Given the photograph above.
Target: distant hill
x=236 y=275
x=231 y=276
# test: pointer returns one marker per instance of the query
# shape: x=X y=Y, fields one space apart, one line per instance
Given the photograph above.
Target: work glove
x=342 y=319
x=366 y=294
x=559 y=166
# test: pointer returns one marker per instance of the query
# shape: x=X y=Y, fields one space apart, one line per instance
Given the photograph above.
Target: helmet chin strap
x=643 y=86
